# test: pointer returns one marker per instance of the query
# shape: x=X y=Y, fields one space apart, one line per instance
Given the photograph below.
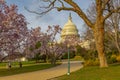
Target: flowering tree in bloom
x=13 y=31
x=56 y=49
x=34 y=42
x=48 y=43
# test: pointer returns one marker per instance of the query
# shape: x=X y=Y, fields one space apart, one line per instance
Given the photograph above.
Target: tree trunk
x=115 y=22
x=53 y=60
x=47 y=59
x=117 y=45
x=118 y=48
x=99 y=40
x=116 y=38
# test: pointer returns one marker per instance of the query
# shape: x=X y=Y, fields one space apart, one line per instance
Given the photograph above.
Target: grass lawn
x=24 y=69
x=94 y=73
x=16 y=64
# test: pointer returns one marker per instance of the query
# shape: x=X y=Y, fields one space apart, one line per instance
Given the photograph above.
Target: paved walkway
x=47 y=73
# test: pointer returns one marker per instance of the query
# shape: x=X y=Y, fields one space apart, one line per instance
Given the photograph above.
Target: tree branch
x=78 y=10
x=105 y=3
x=44 y=12
x=61 y=3
x=112 y=11
x=65 y=8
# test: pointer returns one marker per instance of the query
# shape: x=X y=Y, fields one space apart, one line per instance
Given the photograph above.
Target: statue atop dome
x=70 y=17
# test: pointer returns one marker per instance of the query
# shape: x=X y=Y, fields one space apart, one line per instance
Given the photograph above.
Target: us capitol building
x=70 y=29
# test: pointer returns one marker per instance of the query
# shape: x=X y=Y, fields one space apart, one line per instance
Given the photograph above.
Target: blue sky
x=52 y=18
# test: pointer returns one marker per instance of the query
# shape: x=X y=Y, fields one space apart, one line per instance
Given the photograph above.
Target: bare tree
x=97 y=26
x=112 y=28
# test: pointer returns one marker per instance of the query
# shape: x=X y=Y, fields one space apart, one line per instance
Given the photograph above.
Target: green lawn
x=16 y=64
x=24 y=69
x=94 y=73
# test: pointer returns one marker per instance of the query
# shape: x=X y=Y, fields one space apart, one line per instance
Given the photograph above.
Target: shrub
x=65 y=55
x=90 y=55
x=118 y=58
x=113 y=58
x=96 y=62
x=91 y=62
x=78 y=58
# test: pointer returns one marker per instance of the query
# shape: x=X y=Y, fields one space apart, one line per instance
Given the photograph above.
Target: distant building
x=85 y=44
x=23 y=59
x=70 y=29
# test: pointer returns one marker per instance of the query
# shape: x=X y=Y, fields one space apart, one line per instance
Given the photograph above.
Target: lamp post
x=68 y=73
